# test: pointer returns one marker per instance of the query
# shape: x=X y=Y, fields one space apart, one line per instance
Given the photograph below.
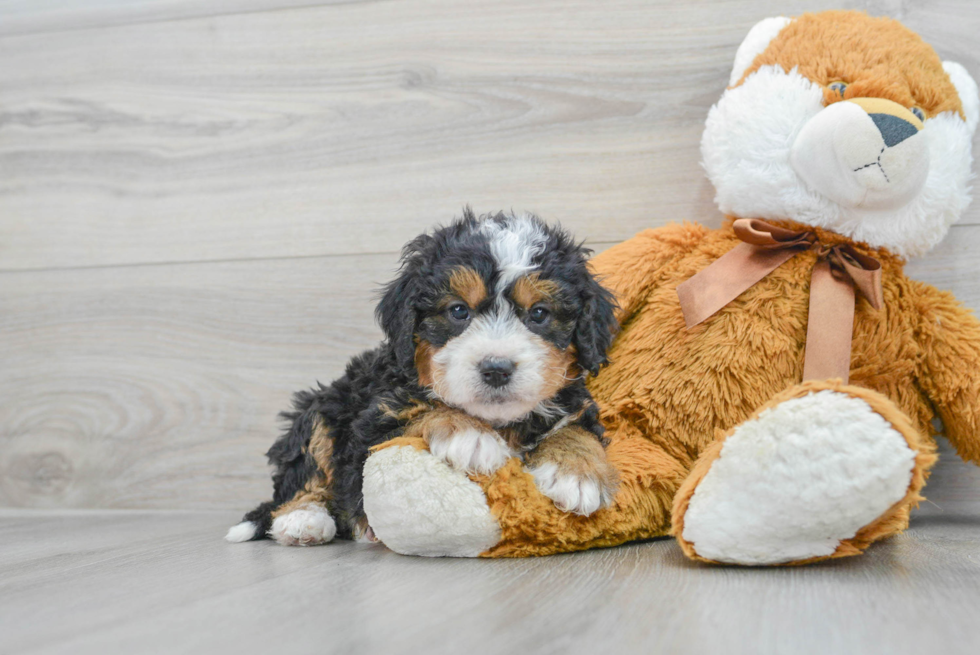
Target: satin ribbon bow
x=838 y=271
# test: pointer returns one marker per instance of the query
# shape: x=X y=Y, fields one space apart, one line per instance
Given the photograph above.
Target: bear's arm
x=949 y=374
x=627 y=269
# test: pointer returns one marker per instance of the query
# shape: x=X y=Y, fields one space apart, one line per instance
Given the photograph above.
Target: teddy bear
x=771 y=393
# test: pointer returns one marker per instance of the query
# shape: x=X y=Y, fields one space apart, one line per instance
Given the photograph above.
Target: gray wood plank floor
x=197 y=201
x=96 y=581
x=164 y=582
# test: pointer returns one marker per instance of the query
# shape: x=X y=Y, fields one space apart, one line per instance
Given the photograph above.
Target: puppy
x=489 y=329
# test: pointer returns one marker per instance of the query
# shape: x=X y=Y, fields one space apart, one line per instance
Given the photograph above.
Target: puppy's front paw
x=470 y=450
x=576 y=493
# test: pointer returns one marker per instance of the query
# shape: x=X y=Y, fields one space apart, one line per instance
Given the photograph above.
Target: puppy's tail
x=255 y=525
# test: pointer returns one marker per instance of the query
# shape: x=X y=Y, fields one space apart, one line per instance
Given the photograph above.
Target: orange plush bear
x=840 y=148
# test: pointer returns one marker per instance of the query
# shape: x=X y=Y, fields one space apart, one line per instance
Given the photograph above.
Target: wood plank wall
x=198 y=198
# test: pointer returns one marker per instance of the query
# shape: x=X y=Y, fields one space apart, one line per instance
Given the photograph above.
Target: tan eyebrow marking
x=531 y=289
x=468 y=285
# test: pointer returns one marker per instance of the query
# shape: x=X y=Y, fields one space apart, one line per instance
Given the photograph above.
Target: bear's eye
x=459 y=311
x=921 y=115
x=839 y=87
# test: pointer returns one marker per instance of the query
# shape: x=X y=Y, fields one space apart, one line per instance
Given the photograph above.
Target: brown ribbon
x=839 y=269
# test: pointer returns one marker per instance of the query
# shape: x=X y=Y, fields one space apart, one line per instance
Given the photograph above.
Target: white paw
x=308 y=526
x=473 y=451
x=571 y=493
x=796 y=481
x=244 y=531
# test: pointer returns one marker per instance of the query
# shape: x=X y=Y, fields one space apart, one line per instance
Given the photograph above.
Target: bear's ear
x=966 y=87
x=755 y=44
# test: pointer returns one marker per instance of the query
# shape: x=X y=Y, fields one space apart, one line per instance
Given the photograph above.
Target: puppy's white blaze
x=309 y=525
x=500 y=335
x=514 y=244
x=570 y=493
x=244 y=531
x=472 y=451
x=746 y=149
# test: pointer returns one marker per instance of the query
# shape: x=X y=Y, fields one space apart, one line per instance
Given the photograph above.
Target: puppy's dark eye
x=459 y=311
x=839 y=87
x=921 y=115
x=538 y=315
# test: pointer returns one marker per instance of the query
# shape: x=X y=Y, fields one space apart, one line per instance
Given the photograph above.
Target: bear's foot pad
x=418 y=505
x=794 y=482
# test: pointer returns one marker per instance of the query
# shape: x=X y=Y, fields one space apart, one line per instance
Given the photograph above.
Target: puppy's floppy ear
x=596 y=325
x=396 y=312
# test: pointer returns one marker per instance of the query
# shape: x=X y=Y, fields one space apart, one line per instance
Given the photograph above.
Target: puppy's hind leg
x=304 y=520
x=298 y=515
x=309 y=524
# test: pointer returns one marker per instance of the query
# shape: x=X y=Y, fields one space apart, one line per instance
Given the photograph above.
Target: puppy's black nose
x=496 y=371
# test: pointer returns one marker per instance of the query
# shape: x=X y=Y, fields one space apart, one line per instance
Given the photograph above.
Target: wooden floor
x=131 y=581
x=198 y=199
x=122 y=581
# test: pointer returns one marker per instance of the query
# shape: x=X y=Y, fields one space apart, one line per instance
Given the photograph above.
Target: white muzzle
x=867 y=153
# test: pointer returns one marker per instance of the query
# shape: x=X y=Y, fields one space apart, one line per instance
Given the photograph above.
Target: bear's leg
x=823 y=470
x=418 y=505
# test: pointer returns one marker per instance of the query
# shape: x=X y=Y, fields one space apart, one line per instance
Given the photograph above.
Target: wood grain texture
x=342 y=128
x=198 y=200
x=157 y=386
x=164 y=582
x=34 y=16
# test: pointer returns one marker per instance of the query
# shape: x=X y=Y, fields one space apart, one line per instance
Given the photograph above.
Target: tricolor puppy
x=490 y=328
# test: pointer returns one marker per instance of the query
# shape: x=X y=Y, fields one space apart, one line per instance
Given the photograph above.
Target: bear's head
x=844 y=122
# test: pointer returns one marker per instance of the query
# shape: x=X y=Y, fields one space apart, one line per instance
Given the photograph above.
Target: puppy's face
x=498 y=351
x=501 y=313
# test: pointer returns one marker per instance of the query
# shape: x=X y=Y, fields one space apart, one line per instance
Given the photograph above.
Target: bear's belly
x=680 y=386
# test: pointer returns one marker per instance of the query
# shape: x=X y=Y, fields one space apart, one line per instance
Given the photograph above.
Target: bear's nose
x=893 y=129
x=496 y=371
x=863 y=152
x=895 y=123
